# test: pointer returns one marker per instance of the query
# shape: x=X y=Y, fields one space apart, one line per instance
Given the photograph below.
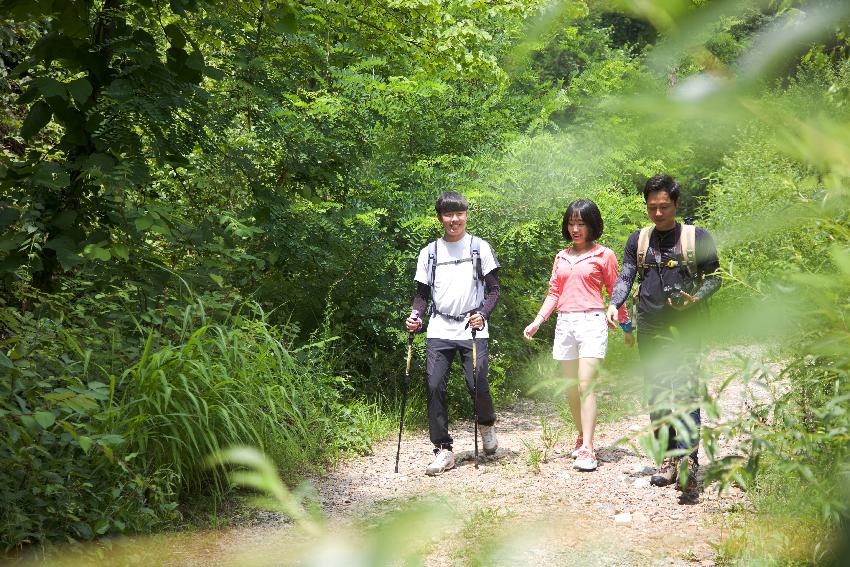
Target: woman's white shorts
x=581 y=334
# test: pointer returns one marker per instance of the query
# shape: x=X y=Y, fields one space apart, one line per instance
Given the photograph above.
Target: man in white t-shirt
x=459 y=274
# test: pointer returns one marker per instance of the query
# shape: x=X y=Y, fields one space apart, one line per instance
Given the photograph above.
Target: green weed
x=550 y=436
x=480 y=535
x=535 y=456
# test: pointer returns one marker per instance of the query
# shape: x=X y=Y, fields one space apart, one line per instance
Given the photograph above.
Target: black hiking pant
x=672 y=375
x=440 y=354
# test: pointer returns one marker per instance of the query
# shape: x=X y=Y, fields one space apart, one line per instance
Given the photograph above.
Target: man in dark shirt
x=670 y=306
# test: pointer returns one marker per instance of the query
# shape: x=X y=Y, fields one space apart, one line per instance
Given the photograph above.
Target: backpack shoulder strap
x=642 y=247
x=688 y=244
x=475 y=254
x=432 y=264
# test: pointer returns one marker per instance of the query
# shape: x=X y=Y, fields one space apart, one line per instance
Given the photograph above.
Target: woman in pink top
x=581 y=334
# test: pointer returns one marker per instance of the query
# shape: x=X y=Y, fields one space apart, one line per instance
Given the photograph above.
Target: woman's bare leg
x=587 y=369
x=570 y=370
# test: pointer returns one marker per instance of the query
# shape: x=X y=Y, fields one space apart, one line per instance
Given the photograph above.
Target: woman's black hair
x=586 y=210
x=451 y=202
x=662 y=182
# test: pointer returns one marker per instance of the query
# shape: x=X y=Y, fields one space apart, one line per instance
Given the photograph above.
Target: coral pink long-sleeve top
x=576 y=282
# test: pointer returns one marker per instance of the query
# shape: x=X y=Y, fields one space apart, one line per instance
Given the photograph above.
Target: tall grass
x=234 y=384
x=88 y=452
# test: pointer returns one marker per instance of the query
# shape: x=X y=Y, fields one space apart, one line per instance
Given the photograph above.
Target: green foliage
x=66 y=476
x=228 y=385
x=103 y=91
x=93 y=452
x=162 y=163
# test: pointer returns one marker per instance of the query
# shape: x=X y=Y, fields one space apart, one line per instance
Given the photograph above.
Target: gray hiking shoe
x=667 y=473
x=443 y=461
x=488 y=438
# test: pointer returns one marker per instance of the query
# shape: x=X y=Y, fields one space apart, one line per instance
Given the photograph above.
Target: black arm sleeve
x=707 y=264
x=709 y=285
x=492 y=291
x=420 y=300
x=627 y=272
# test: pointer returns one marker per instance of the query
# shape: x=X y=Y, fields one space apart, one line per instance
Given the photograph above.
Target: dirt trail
x=611 y=516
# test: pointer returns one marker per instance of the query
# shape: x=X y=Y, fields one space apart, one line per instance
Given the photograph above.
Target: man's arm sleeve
x=610 y=277
x=627 y=274
x=707 y=265
x=420 y=300
x=491 y=292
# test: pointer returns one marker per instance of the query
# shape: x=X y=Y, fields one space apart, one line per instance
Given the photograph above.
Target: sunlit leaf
x=120 y=251
x=44 y=418
x=97 y=252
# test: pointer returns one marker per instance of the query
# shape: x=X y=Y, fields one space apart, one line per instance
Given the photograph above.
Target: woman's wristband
x=627 y=327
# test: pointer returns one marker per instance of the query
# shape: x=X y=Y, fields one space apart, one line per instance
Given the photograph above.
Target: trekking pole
x=475 y=391
x=404 y=395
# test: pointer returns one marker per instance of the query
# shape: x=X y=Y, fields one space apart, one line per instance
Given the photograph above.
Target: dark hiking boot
x=689 y=486
x=666 y=473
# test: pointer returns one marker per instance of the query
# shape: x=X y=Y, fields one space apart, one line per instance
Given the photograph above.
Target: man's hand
x=412 y=324
x=689 y=300
x=476 y=321
x=611 y=316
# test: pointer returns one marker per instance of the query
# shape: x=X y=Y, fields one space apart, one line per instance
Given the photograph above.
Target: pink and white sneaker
x=586 y=460
x=579 y=444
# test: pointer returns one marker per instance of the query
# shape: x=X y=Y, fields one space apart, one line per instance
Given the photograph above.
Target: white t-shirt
x=455 y=291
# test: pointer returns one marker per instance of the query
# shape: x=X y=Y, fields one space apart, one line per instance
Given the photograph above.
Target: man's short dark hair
x=662 y=182
x=586 y=210
x=451 y=202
